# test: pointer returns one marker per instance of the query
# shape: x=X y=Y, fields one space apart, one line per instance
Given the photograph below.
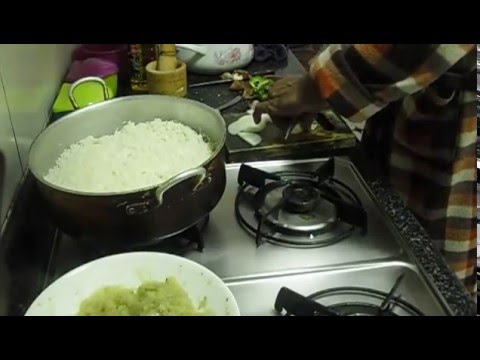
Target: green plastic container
x=86 y=94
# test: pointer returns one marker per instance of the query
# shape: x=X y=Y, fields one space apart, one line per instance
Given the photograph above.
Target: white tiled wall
x=10 y=168
x=31 y=75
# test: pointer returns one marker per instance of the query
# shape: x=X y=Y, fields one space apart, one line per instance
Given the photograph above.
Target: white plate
x=64 y=296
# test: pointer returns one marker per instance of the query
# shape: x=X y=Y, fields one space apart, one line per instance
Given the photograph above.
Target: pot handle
x=200 y=173
x=77 y=83
x=202 y=50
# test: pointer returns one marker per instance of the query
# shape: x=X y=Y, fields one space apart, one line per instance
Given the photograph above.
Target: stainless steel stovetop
x=359 y=268
x=256 y=274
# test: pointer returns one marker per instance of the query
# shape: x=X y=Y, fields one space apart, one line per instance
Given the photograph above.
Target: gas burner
x=177 y=244
x=345 y=301
x=297 y=209
x=70 y=252
x=355 y=301
x=300 y=198
x=91 y=248
x=303 y=210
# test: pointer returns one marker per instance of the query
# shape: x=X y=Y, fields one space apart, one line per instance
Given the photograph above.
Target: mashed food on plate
x=150 y=299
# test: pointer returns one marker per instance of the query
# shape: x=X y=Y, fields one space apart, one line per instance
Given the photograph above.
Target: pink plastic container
x=91 y=67
x=115 y=53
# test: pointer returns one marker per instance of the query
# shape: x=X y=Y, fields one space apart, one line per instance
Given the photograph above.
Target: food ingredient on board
x=250 y=138
x=247 y=124
x=261 y=86
x=246 y=129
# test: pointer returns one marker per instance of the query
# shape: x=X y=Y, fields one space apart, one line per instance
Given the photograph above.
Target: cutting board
x=320 y=142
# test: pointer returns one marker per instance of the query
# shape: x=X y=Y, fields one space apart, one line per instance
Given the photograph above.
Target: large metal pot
x=155 y=212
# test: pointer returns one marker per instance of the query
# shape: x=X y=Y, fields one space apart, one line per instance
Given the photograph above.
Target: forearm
x=359 y=80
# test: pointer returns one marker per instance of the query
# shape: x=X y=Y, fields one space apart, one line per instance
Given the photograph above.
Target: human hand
x=292 y=101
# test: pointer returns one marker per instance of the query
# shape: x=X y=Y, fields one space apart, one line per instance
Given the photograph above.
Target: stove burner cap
x=297 y=210
x=300 y=198
x=303 y=210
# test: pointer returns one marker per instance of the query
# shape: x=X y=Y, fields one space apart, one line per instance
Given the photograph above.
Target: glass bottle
x=140 y=56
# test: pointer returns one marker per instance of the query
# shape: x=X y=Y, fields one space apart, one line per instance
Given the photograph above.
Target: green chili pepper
x=261 y=86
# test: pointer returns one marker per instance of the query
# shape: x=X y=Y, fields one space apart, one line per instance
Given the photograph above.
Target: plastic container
x=87 y=93
x=91 y=67
x=115 y=53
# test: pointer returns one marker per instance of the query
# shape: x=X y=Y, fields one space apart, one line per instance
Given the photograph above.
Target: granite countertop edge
x=428 y=256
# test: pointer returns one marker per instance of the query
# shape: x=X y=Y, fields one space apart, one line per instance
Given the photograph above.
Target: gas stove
x=293 y=232
x=301 y=209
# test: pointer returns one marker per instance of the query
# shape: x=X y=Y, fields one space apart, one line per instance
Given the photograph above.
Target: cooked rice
x=135 y=157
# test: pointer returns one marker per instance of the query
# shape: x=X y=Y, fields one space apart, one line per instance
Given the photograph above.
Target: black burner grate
x=70 y=252
x=346 y=301
x=370 y=306
x=325 y=210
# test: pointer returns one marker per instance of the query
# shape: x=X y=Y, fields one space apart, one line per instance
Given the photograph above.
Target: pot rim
x=218 y=149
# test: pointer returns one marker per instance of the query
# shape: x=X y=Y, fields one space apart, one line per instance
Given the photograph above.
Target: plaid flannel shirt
x=431 y=153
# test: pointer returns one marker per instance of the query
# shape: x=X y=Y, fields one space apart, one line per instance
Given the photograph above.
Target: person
x=420 y=106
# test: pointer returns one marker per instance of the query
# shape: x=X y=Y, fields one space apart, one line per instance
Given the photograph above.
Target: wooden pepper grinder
x=167 y=75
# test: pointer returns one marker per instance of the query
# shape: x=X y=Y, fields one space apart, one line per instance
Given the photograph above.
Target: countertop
x=337 y=142
x=28 y=237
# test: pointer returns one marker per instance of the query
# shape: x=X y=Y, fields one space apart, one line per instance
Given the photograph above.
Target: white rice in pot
x=135 y=157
